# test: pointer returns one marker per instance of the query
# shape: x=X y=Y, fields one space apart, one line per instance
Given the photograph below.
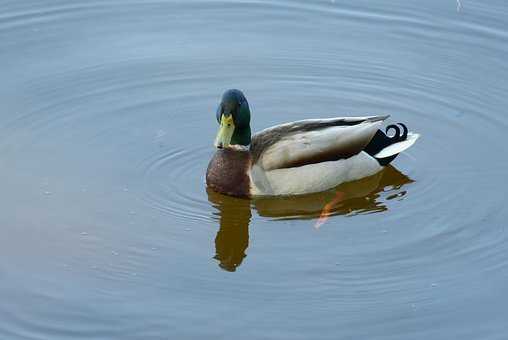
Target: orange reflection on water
x=323 y=217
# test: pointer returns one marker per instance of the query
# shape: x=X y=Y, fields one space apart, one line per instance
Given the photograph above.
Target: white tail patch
x=398 y=147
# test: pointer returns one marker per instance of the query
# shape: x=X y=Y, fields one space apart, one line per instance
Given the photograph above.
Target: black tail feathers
x=381 y=140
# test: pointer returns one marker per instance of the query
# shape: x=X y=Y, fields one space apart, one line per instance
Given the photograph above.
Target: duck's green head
x=233 y=115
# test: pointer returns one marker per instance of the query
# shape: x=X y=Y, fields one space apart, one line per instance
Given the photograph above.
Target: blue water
x=106 y=128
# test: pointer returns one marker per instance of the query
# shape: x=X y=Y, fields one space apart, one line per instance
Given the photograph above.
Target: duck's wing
x=312 y=141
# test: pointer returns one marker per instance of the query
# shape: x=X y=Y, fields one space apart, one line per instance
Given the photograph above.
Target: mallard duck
x=300 y=157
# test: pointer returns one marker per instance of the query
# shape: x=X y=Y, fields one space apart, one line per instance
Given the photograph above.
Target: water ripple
x=108 y=106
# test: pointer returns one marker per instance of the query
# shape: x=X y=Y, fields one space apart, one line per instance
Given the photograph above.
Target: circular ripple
x=174 y=183
x=90 y=89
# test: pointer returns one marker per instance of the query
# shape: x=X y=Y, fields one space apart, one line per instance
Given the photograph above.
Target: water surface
x=106 y=129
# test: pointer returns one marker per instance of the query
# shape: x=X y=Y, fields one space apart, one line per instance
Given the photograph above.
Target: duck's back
x=318 y=154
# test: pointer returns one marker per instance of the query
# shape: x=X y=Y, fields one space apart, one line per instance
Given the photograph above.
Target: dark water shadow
x=358 y=197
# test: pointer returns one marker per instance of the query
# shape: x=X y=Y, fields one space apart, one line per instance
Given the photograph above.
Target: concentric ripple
x=106 y=129
x=174 y=183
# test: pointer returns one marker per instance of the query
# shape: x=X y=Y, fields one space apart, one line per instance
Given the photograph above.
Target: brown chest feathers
x=227 y=172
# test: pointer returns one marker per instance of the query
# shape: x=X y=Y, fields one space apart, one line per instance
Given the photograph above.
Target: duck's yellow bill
x=227 y=127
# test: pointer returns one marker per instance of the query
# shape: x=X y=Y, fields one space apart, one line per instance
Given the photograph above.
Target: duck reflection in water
x=233 y=236
x=368 y=195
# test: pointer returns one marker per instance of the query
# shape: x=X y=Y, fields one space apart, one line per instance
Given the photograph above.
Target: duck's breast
x=228 y=172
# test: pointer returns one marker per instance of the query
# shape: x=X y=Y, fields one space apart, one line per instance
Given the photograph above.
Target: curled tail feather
x=385 y=148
